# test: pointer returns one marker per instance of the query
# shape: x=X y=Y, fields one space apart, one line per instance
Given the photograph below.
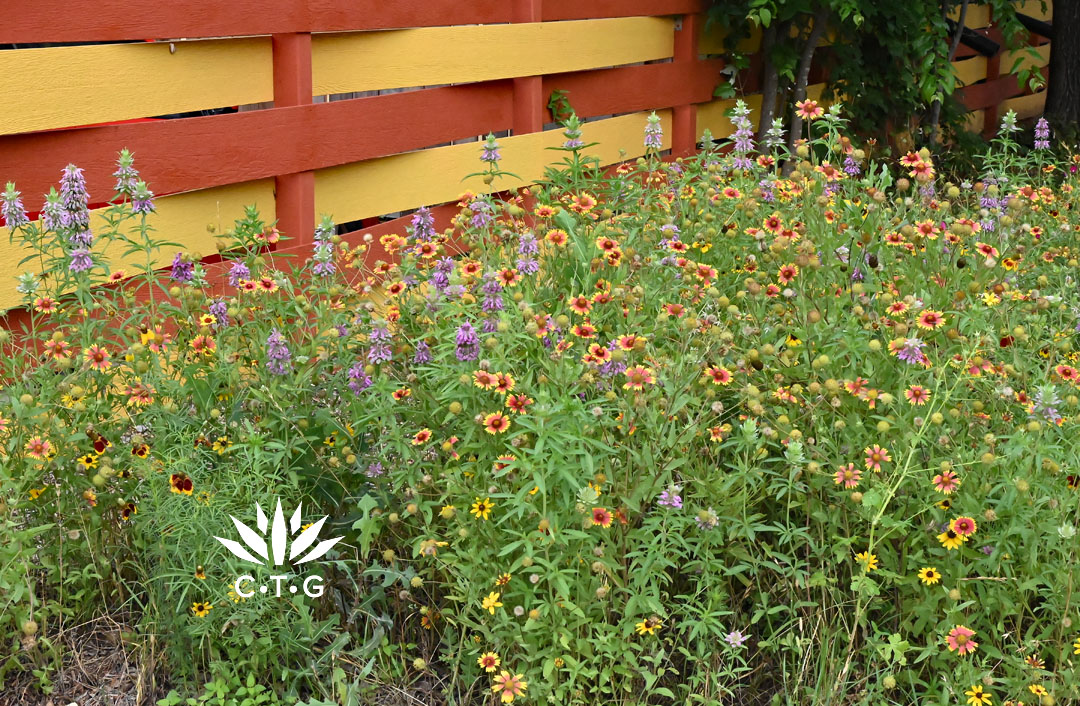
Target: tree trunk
x=935 y=109
x=770 y=81
x=821 y=17
x=1063 y=87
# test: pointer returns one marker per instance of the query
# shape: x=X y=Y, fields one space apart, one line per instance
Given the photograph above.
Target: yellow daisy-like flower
x=977 y=696
x=929 y=575
x=649 y=626
x=951 y=540
x=1076 y=646
x=201 y=609
x=491 y=602
x=482 y=508
x=868 y=560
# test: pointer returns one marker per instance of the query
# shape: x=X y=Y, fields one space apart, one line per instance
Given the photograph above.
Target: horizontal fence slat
x=993 y=91
x=1026 y=106
x=182 y=218
x=968 y=71
x=427 y=177
x=634 y=88
x=1018 y=59
x=1036 y=9
x=365 y=61
x=197 y=153
x=586 y=9
x=977 y=16
x=82 y=85
x=26 y=21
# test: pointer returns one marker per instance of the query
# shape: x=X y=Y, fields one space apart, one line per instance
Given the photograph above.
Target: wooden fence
x=470 y=67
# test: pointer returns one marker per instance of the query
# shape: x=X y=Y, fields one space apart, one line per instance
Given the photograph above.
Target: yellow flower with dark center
x=951 y=540
x=649 y=625
x=200 y=573
x=977 y=696
x=482 y=508
x=201 y=609
x=929 y=575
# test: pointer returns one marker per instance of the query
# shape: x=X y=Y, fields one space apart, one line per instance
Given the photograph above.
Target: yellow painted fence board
x=181 y=218
x=364 y=61
x=433 y=176
x=1030 y=57
x=81 y=85
x=1025 y=106
x=971 y=70
x=1037 y=8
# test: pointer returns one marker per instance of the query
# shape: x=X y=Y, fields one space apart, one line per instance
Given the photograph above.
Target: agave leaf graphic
x=294 y=523
x=260 y=518
x=251 y=538
x=305 y=540
x=279 y=537
x=319 y=550
x=238 y=549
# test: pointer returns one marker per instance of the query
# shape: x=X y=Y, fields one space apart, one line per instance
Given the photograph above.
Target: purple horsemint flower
x=490 y=151
x=126 y=175
x=238 y=271
x=279 y=359
x=482 y=214
x=654 y=133
x=468 y=343
x=572 y=133
x=910 y=351
x=81 y=238
x=528 y=265
x=11 y=208
x=1042 y=134
x=439 y=280
x=53 y=216
x=707 y=519
x=220 y=310
x=670 y=498
x=80 y=260
x=743 y=139
x=851 y=167
x=423 y=353
x=423 y=224
x=74 y=197
x=182 y=271
x=492 y=291
x=379 y=353
x=142 y=199
x=358 y=379
x=1045 y=404
x=527 y=245
x=323 y=251
x=735 y=638
x=374 y=470
x=379 y=332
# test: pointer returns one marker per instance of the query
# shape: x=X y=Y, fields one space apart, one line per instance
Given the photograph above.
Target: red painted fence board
x=35 y=21
x=195 y=153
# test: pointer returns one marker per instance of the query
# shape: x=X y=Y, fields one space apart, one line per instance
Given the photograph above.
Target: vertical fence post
x=294 y=193
x=684 y=117
x=528 y=90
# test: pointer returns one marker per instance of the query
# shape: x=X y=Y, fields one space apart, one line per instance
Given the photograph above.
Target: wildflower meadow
x=746 y=427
